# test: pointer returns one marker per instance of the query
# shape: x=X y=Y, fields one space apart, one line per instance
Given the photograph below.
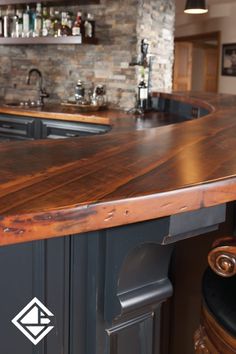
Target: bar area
x=113 y=186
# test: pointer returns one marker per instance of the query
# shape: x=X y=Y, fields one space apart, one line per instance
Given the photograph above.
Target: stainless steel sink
x=13 y=104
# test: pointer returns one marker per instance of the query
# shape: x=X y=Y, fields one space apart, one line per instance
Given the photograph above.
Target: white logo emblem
x=33 y=321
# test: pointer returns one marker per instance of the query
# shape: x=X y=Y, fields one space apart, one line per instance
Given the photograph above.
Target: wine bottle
x=142 y=94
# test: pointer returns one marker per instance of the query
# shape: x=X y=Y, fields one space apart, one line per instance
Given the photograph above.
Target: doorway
x=196 y=65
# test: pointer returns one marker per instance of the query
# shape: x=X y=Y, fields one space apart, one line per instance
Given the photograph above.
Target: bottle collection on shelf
x=44 y=22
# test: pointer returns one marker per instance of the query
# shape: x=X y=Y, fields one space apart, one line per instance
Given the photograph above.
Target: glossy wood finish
x=55 y=188
x=210 y=338
x=222 y=257
x=56 y=111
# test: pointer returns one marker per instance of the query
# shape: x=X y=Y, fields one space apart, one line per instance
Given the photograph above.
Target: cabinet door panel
x=133 y=337
x=53 y=129
x=31 y=270
x=17 y=127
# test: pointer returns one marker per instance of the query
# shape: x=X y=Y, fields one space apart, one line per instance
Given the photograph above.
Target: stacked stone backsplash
x=120 y=26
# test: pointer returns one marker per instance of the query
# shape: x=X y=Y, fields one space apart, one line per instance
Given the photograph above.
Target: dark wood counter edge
x=55 y=223
x=65 y=114
x=83 y=217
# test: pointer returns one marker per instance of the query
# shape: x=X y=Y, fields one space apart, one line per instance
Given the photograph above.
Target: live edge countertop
x=51 y=188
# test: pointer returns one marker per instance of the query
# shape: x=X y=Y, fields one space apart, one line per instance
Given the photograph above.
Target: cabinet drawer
x=60 y=129
x=16 y=127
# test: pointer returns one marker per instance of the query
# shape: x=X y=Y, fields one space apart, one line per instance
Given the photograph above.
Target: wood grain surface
x=55 y=188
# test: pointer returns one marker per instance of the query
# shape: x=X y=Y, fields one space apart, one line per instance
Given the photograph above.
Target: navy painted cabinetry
x=105 y=288
x=27 y=128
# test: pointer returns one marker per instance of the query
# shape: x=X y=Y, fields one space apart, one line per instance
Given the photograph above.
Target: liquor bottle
x=26 y=22
x=7 y=23
x=143 y=94
x=19 y=24
x=57 y=24
x=76 y=29
x=65 y=29
x=1 y=24
x=46 y=22
x=51 y=19
x=14 y=25
x=32 y=15
x=70 y=21
x=38 y=21
x=89 y=27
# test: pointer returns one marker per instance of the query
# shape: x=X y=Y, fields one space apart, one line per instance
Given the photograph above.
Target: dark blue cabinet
x=26 y=128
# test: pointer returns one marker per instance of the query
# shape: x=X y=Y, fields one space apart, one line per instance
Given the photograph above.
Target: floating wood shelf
x=49 y=2
x=47 y=40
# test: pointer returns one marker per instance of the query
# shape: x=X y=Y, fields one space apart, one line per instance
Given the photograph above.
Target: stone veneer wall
x=156 y=19
x=120 y=26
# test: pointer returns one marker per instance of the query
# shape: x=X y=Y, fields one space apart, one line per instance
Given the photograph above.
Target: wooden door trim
x=209 y=35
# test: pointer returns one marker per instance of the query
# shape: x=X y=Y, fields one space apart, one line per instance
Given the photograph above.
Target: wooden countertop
x=61 y=187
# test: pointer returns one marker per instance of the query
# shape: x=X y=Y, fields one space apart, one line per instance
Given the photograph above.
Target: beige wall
x=214 y=22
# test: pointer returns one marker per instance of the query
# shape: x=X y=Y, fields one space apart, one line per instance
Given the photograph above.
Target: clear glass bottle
x=38 y=21
x=51 y=19
x=19 y=24
x=46 y=22
x=14 y=25
x=79 y=91
x=7 y=23
x=26 y=22
x=89 y=27
x=70 y=21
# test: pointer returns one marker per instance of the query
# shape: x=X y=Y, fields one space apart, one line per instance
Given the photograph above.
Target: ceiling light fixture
x=194 y=7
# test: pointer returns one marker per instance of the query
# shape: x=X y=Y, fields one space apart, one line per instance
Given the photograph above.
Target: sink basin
x=13 y=104
x=22 y=104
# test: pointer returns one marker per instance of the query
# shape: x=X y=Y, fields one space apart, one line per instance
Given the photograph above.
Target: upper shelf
x=53 y=2
x=48 y=40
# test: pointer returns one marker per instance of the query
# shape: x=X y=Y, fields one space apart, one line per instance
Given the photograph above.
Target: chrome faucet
x=42 y=92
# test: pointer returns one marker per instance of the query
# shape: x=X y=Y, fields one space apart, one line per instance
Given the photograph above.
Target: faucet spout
x=42 y=91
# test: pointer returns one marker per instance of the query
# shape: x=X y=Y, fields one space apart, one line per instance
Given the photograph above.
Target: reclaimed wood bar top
x=51 y=188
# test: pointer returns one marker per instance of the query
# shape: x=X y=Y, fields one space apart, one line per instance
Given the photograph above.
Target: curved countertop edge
x=55 y=223
x=188 y=98
x=83 y=217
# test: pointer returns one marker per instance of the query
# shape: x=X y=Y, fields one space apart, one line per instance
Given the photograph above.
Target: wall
x=121 y=24
x=221 y=18
x=156 y=20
